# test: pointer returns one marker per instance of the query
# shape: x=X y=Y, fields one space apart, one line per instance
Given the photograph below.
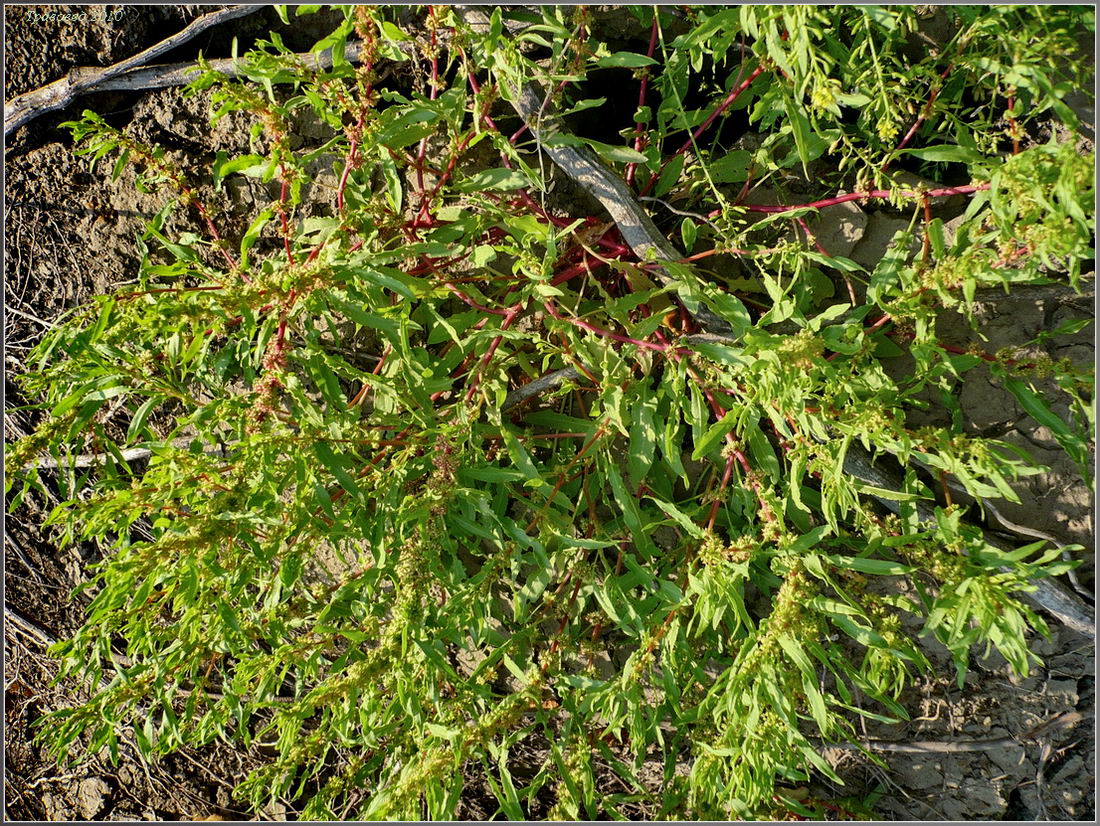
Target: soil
x=70 y=234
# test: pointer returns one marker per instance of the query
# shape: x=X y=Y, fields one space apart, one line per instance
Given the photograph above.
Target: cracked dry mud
x=71 y=234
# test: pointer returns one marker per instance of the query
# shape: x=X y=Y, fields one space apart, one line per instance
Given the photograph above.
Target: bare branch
x=1065 y=719
x=130 y=454
x=59 y=94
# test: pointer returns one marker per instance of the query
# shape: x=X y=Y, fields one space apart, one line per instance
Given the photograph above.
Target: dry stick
x=1065 y=719
x=31 y=630
x=1022 y=530
x=1049 y=594
x=24 y=558
x=130 y=454
x=61 y=93
x=176 y=74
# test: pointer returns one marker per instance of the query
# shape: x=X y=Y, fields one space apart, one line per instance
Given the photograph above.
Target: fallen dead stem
x=1039 y=733
x=59 y=94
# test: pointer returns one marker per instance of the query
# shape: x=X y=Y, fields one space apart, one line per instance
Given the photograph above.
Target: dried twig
x=130 y=454
x=1039 y=733
x=583 y=166
x=59 y=94
x=27 y=628
x=180 y=74
x=24 y=558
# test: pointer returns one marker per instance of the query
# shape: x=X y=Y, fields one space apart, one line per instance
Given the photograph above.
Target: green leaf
x=394 y=187
x=522 y=460
x=229 y=617
x=762 y=453
x=616 y=154
x=1038 y=409
x=800 y=125
x=643 y=441
x=859 y=632
x=140 y=417
x=688 y=232
x=680 y=517
x=392 y=33
x=796 y=654
x=946 y=153
x=714 y=434
x=442 y=732
x=733 y=167
x=252 y=234
x=721 y=353
x=581 y=105
x=886 y=493
x=120 y=164
x=879 y=567
x=626 y=60
x=336 y=466
x=811 y=539
x=499 y=179
x=731 y=308
x=670 y=175
x=411 y=126
x=628 y=504
x=224 y=166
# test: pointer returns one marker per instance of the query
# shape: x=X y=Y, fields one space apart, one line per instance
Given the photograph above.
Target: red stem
x=432 y=91
x=639 y=127
x=283 y=219
x=847 y=280
x=424 y=218
x=465 y=298
x=722 y=107
x=212 y=229
x=513 y=313
x=592 y=328
x=811 y=237
x=959 y=351
x=926 y=242
x=718 y=497
x=969 y=189
x=748 y=183
x=516 y=135
x=886 y=318
x=925 y=112
x=1012 y=126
